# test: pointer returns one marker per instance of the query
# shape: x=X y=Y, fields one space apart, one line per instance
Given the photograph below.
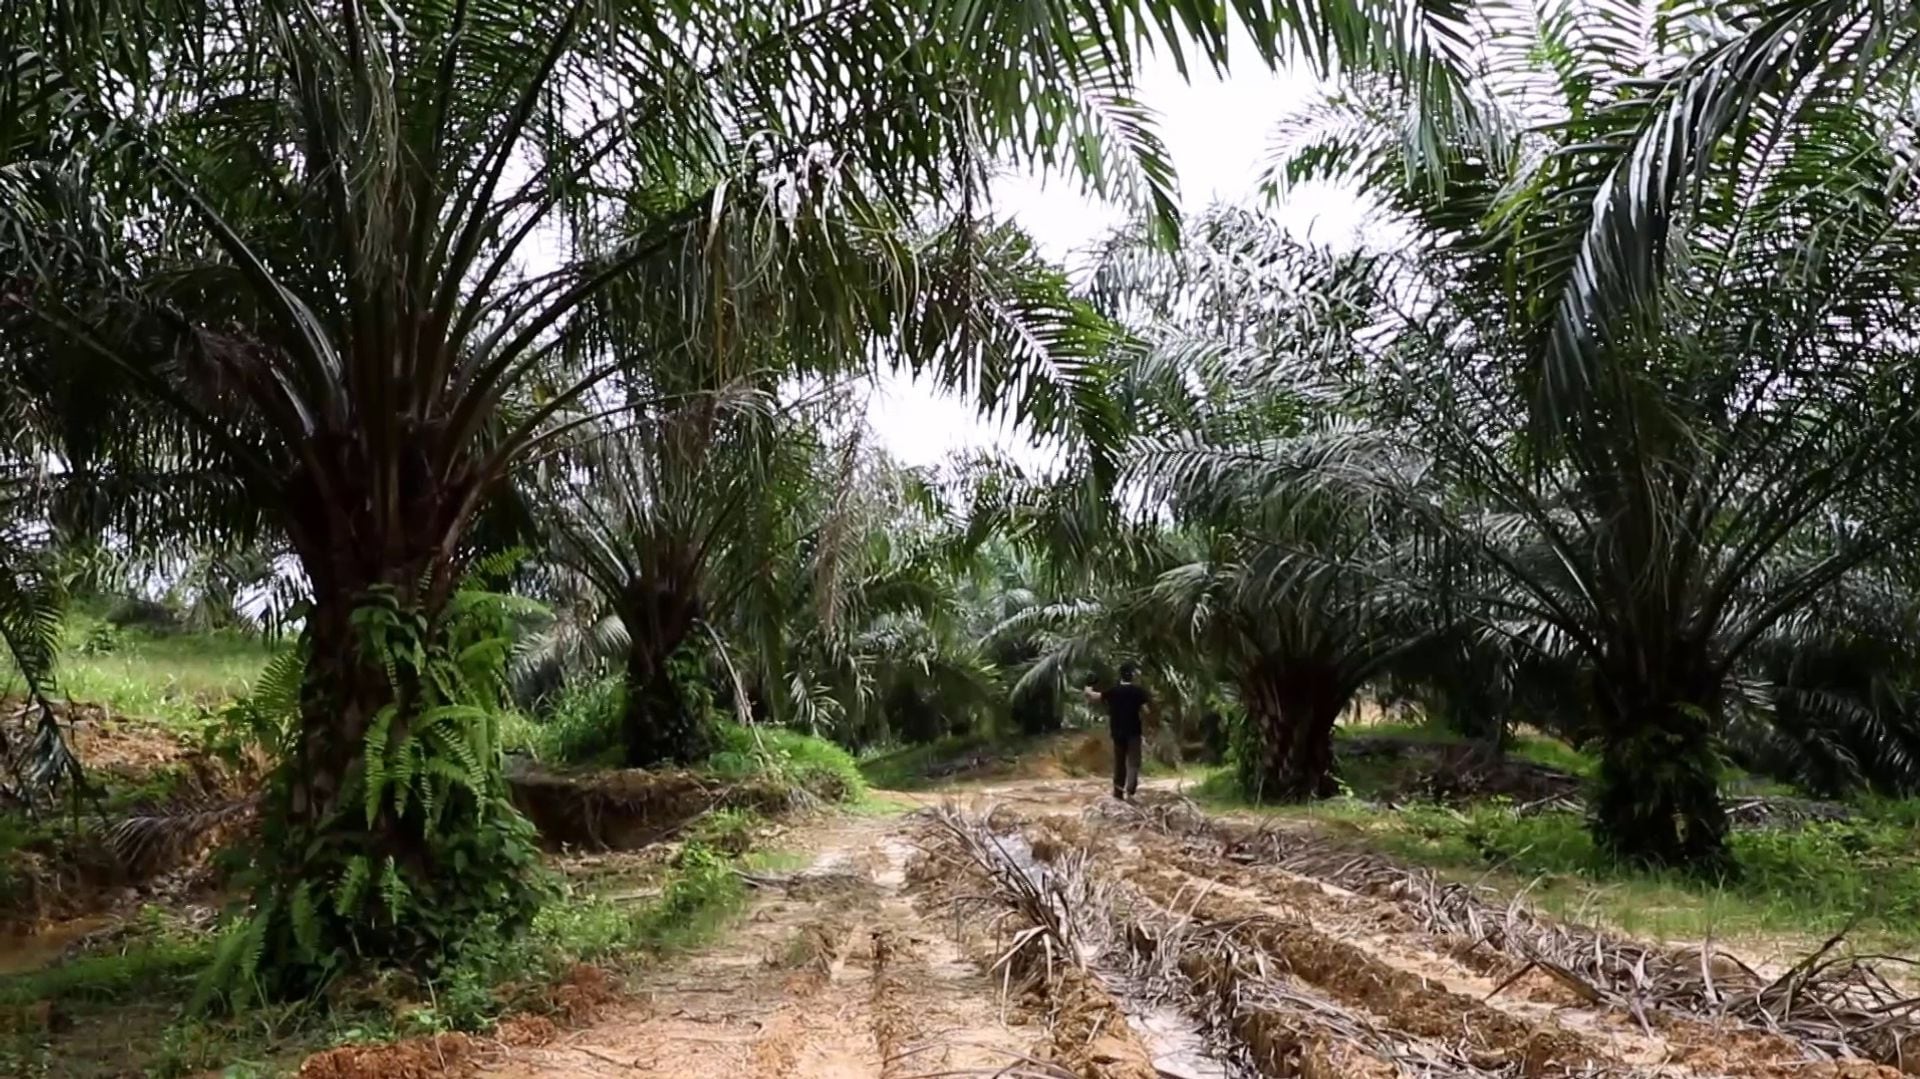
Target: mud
x=1129 y=953
x=421 y=1058
x=80 y=864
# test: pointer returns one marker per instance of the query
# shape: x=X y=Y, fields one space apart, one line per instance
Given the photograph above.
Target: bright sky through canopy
x=1217 y=131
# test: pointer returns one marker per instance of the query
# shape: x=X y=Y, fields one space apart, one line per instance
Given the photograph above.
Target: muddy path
x=1039 y=929
x=832 y=972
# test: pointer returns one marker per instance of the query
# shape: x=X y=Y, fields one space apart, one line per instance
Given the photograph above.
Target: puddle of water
x=1178 y=1050
x=897 y=851
x=22 y=954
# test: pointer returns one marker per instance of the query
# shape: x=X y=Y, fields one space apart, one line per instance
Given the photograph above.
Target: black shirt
x=1124 y=702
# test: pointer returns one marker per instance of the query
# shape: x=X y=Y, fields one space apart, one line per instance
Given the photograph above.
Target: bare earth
x=896 y=954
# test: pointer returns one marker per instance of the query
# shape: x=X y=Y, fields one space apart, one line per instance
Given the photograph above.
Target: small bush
x=698 y=899
x=136 y=611
x=813 y=764
x=102 y=639
x=582 y=726
x=729 y=831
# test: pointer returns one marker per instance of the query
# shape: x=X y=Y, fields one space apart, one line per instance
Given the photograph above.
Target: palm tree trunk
x=370 y=849
x=1657 y=800
x=657 y=726
x=341 y=691
x=1294 y=709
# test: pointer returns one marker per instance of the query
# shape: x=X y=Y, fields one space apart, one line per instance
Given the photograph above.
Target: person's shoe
x=1119 y=796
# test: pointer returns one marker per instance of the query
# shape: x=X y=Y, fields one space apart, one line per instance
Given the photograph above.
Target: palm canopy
x=1264 y=544
x=1725 y=450
x=377 y=256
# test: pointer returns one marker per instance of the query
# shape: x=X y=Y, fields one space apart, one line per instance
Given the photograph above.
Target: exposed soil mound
x=158 y=806
x=633 y=808
x=1062 y=755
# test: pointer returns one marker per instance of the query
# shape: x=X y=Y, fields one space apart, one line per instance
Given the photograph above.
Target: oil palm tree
x=661 y=527
x=360 y=251
x=1242 y=341
x=1653 y=489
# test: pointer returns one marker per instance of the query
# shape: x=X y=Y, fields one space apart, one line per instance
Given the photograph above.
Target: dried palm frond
x=1836 y=1006
x=148 y=840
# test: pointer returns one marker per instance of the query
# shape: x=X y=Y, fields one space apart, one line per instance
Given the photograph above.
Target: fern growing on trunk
x=428 y=854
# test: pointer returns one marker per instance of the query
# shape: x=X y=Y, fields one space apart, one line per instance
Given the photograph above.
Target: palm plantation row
x=530 y=336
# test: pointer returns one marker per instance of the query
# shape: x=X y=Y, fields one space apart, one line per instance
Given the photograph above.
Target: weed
x=697 y=901
x=813 y=764
x=1811 y=880
x=882 y=804
x=177 y=678
x=159 y=966
x=729 y=831
x=700 y=896
x=907 y=768
x=581 y=726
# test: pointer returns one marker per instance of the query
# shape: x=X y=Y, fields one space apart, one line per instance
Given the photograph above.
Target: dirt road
x=1037 y=929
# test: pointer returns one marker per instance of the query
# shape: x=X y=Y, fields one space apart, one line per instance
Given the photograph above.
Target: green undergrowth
x=1791 y=884
x=812 y=764
x=582 y=727
x=906 y=768
x=123 y=1009
x=1539 y=749
x=173 y=676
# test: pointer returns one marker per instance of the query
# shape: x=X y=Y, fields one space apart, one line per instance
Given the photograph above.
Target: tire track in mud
x=831 y=974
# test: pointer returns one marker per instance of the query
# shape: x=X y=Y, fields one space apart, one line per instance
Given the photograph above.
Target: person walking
x=1126 y=703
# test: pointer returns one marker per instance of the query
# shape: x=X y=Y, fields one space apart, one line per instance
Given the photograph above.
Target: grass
x=1540 y=749
x=900 y=768
x=165 y=966
x=813 y=764
x=173 y=677
x=1792 y=885
x=124 y=1008
x=583 y=727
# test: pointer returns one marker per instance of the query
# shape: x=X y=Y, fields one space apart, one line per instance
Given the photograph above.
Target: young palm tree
x=661 y=527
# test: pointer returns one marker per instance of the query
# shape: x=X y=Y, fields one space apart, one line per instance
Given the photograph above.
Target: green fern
x=304 y=915
x=428 y=769
x=393 y=890
x=375 y=773
x=351 y=886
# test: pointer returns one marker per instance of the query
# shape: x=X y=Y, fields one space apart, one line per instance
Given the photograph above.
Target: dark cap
x=1128 y=670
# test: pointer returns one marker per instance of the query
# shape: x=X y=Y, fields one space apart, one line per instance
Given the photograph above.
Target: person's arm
x=1092 y=694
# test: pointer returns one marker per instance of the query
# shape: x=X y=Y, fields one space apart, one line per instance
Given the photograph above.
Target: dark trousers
x=1126 y=765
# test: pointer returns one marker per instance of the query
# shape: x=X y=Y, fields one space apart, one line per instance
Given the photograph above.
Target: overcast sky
x=1217 y=133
